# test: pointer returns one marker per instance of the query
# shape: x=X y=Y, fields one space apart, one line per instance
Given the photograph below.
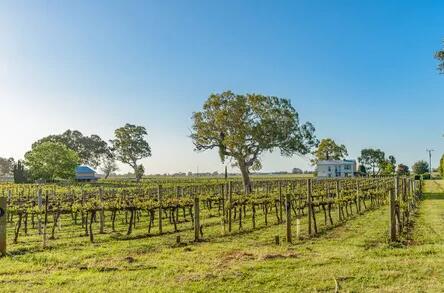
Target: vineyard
x=210 y=208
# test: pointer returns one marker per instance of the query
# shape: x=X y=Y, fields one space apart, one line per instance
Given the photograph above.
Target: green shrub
x=426 y=176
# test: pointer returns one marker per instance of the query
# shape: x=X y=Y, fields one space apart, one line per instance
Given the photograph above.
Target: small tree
x=420 y=167
x=6 y=166
x=20 y=173
x=391 y=160
x=388 y=167
x=362 y=170
x=51 y=161
x=108 y=165
x=372 y=159
x=403 y=170
x=242 y=127
x=329 y=150
x=130 y=146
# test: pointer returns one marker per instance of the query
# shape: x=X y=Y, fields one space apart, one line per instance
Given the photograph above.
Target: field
x=353 y=255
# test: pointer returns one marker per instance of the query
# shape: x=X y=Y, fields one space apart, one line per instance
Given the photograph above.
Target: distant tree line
x=55 y=157
x=240 y=127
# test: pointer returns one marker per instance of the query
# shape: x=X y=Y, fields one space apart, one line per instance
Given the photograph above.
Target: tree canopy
x=242 y=127
x=329 y=150
x=90 y=149
x=130 y=146
x=420 y=167
x=372 y=159
x=51 y=161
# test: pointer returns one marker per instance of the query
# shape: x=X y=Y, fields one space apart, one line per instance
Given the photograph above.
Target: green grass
x=356 y=256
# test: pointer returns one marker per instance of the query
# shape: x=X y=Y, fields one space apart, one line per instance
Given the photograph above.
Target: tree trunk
x=245 y=176
x=136 y=173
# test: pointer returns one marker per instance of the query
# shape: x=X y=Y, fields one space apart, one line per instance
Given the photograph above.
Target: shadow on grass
x=28 y=250
x=124 y=237
x=22 y=251
x=434 y=196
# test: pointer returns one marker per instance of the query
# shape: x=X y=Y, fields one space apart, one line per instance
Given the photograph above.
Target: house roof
x=336 y=162
x=84 y=169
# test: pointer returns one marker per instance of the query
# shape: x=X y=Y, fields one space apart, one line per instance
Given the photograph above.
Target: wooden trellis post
x=196 y=218
x=159 y=200
x=45 y=239
x=224 y=212
x=397 y=208
x=392 y=212
x=280 y=204
x=230 y=195
x=338 y=198
x=310 y=207
x=3 y=223
x=40 y=204
x=405 y=189
x=101 y=213
x=288 y=212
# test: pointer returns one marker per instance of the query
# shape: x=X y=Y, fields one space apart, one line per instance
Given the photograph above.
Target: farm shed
x=85 y=174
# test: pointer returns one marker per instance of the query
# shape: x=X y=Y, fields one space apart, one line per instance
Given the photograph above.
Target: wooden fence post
x=392 y=211
x=159 y=200
x=310 y=207
x=196 y=218
x=288 y=212
x=3 y=223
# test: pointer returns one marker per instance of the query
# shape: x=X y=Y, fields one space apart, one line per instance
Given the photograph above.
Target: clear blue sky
x=361 y=71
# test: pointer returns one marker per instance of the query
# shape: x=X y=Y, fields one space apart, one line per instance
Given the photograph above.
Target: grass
x=355 y=257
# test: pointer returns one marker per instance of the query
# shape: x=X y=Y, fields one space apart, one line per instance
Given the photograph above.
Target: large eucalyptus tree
x=243 y=127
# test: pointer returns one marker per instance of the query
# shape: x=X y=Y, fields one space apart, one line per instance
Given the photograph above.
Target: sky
x=362 y=72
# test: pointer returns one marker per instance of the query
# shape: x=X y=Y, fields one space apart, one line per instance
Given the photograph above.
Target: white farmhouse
x=336 y=168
